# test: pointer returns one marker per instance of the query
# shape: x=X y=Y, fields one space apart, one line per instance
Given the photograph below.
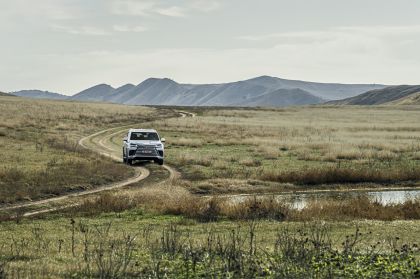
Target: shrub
x=361 y=207
x=257 y=208
x=329 y=175
x=106 y=202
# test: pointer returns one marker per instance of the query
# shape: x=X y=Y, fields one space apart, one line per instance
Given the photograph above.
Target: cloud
x=299 y=36
x=127 y=28
x=346 y=59
x=130 y=7
x=82 y=30
x=49 y=9
x=333 y=33
x=381 y=29
x=363 y=43
x=96 y=31
x=149 y=8
x=173 y=11
x=205 y=5
x=351 y=55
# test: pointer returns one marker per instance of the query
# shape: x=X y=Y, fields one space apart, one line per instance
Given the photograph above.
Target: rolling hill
x=38 y=94
x=402 y=94
x=6 y=94
x=98 y=93
x=412 y=99
x=260 y=91
x=327 y=91
x=154 y=91
x=285 y=97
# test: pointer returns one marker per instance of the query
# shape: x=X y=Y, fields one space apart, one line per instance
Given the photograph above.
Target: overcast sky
x=68 y=45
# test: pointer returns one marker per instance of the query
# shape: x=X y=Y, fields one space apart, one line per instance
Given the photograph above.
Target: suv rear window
x=143 y=136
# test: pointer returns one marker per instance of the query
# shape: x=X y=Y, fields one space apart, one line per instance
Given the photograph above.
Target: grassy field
x=165 y=230
x=261 y=150
x=136 y=244
x=40 y=156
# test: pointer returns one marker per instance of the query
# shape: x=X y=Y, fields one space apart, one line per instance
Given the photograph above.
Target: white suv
x=143 y=145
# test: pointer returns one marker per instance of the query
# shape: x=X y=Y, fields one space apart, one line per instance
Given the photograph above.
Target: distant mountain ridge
x=327 y=91
x=6 y=94
x=402 y=94
x=38 y=94
x=260 y=91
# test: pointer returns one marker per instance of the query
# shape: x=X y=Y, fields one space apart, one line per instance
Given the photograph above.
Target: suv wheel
x=159 y=161
x=124 y=157
x=129 y=162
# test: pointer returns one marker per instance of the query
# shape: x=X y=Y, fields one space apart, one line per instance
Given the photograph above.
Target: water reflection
x=300 y=200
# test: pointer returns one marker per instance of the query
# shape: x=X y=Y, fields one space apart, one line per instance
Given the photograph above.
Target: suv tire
x=124 y=157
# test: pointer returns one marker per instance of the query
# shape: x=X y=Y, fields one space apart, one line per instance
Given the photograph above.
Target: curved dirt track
x=112 y=153
x=141 y=173
x=101 y=148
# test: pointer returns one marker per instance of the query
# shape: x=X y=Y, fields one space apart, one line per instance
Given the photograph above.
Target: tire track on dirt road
x=173 y=174
x=141 y=172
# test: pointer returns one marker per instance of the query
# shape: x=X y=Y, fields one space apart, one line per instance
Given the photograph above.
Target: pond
x=300 y=200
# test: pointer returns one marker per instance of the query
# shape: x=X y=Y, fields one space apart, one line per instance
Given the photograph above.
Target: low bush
x=103 y=203
x=254 y=208
x=176 y=200
x=332 y=175
x=361 y=207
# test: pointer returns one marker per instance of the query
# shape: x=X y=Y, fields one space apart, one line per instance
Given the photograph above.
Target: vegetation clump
x=175 y=200
x=307 y=251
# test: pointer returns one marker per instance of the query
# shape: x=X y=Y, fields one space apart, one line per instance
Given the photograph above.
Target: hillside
x=38 y=94
x=260 y=91
x=283 y=98
x=100 y=92
x=403 y=94
x=327 y=91
x=412 y=99
x=153 y=92
x=5 y=94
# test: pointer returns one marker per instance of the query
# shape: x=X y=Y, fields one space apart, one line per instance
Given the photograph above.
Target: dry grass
x=250 y=162
x=316 y=144
x=332 y=175
x=186 y=142
x=39 y=154
x=19 y=184
x=254 y=208
x=176 y=200
x=103 y=203
x=358 y=208
x=190 y=159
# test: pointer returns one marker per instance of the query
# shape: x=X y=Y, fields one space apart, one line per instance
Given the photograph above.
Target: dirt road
x=100 y=143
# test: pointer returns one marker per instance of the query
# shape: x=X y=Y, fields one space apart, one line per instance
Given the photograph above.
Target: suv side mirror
x=162 y=139
x=125 y=139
